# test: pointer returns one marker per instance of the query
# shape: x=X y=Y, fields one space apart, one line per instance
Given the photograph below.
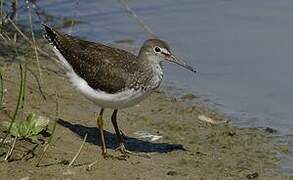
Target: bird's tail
x=53 y=38
x=51 y=35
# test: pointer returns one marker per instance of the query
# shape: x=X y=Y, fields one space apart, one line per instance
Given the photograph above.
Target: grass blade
x=20 y=98
x=1 y=90
x=53 y=131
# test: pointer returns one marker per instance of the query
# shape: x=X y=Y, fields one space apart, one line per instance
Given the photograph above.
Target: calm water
x=242 y=49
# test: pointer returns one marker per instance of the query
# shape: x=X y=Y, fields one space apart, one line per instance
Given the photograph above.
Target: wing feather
x=103 y=67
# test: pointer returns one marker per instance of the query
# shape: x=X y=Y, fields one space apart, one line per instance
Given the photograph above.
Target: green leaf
x=41 y=121
x=5 y=124
x=14 y=127
x=28 y=128
x=34 y=139
x=23 y=130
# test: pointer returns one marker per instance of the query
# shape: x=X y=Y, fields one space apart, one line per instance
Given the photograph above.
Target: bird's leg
x=121 y=146
x=102 y=140
x=101 y=133
x=123 y=134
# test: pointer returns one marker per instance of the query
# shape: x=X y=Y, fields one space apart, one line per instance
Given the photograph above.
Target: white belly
x=103 y=99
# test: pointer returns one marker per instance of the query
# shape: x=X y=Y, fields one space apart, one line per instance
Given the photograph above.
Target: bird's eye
x=157 y=49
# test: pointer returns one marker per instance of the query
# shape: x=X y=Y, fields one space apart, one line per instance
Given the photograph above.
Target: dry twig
x=34 y=41
x=139 y=20
x=9 y=153
x=78 y=152
x=53 y=131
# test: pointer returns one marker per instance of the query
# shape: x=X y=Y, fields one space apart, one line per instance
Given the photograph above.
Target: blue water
x=243 y=50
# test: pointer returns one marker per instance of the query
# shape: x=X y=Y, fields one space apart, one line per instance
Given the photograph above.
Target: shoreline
x=192 y=140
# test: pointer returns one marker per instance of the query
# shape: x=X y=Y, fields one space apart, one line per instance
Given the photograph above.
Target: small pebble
x=25 y=178
x=171 y=173
x=231 y=133
x=270 y=130
x=188 y=97
x=252 y=175
x=189 y=109
x=64 y=162
x=68 y=172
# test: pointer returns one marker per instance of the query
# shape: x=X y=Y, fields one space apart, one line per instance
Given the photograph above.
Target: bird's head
x=158 y=50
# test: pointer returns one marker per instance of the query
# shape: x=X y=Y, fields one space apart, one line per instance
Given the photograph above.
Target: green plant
x=29 y=128
x=1 y=90
x=20 y=98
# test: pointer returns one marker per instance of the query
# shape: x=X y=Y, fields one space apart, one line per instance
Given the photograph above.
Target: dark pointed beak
x=181 y=63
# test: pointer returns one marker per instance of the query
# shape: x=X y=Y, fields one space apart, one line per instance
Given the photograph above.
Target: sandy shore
x=183 y=140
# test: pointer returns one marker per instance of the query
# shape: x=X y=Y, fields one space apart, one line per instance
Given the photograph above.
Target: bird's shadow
x=132 y=144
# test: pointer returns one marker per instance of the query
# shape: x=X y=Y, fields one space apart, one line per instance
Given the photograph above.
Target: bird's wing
x=103 y=67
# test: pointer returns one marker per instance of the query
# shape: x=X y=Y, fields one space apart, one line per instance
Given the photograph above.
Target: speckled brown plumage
x=111 y=77
x=105 y=68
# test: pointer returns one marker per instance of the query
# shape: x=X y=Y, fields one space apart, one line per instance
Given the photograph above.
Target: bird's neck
x=153 y=69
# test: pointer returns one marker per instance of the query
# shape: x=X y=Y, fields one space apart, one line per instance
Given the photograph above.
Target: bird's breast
x=157 y=76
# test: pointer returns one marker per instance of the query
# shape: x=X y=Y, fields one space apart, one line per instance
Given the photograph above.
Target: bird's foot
x=106 y=156
x=89 y=167
x=119 y=157
x=125 y=153
x=123 y=135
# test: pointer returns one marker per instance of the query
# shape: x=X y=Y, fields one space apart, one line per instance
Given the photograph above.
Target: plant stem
x=20 y=97
x=24 y=84
x=1 y=90
x=145 y=27
x=53 y=131
x=1 y=7
x=11 y=150
x=34 y=40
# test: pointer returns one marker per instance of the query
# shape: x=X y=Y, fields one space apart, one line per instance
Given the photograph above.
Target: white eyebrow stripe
x=165 y=51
